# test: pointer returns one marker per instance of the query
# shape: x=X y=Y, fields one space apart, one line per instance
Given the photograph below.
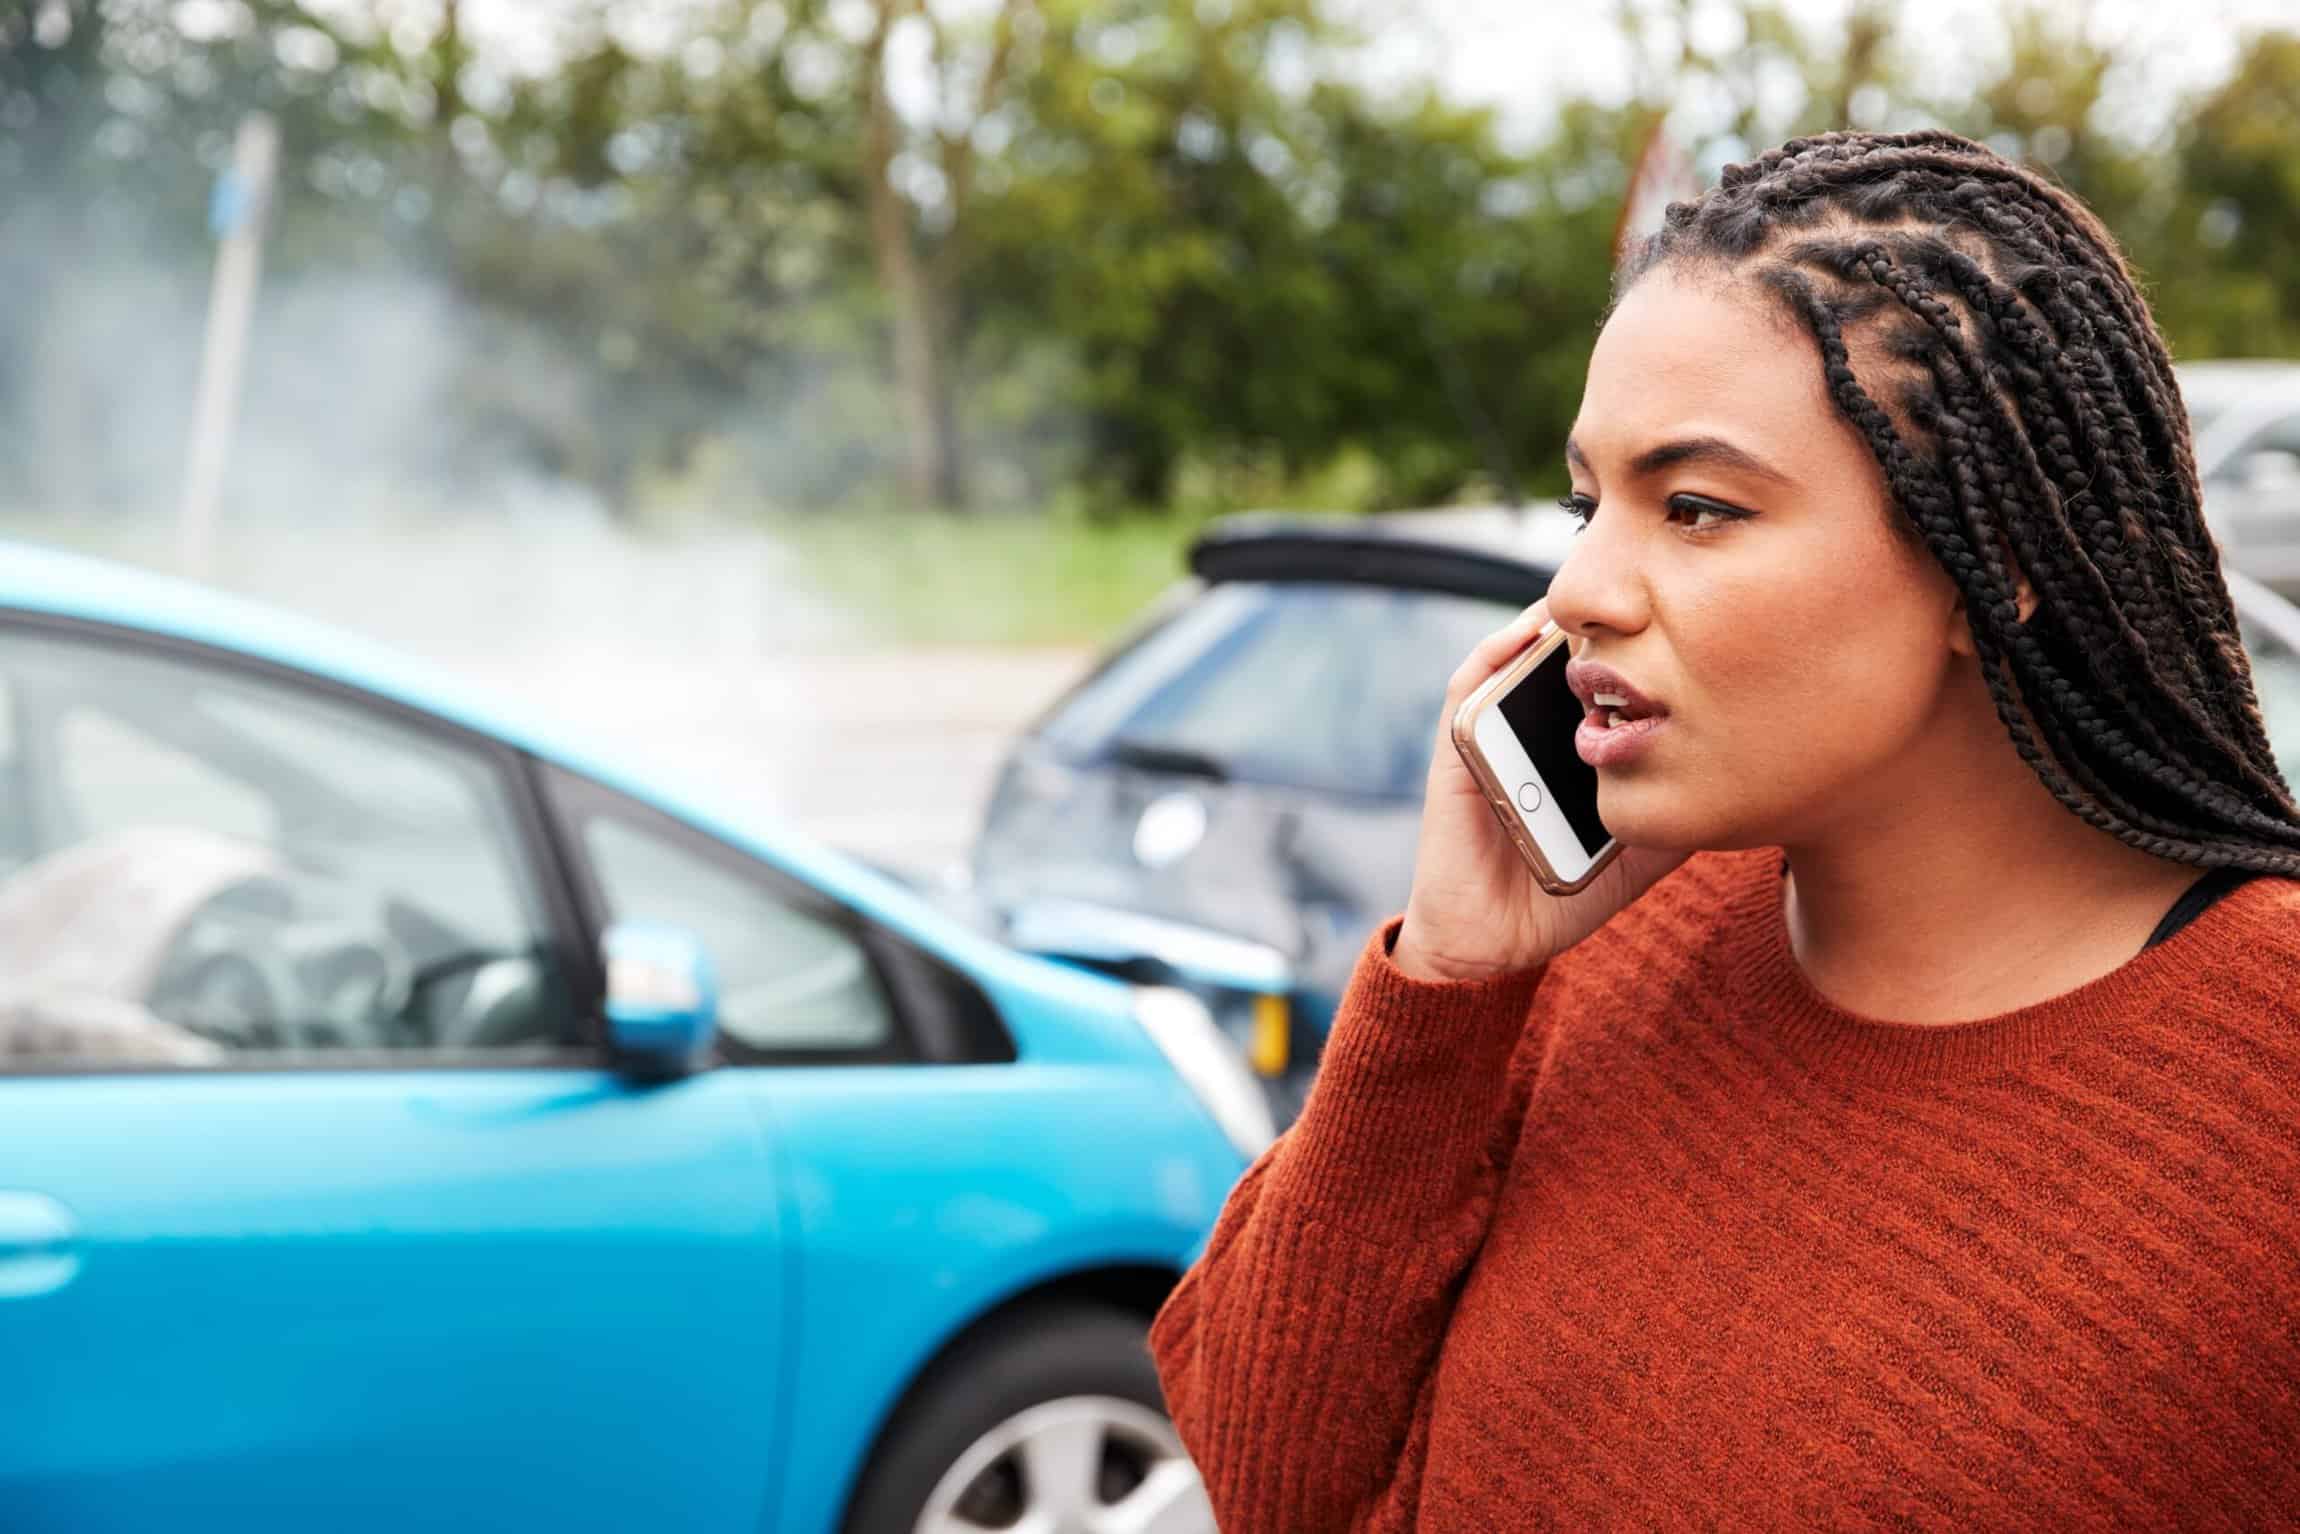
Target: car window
x=2281 y=435
x=1327 y=687
x=790 y=980
x=111 y=773
x=214 y=864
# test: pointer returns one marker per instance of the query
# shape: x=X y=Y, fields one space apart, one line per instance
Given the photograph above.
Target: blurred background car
x=1231 y=799
x=405 y=1117
x=2246 y=416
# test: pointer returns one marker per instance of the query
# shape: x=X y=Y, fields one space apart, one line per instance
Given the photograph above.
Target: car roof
x=2230 y=382
x=2240 y=372
x=1499 y=553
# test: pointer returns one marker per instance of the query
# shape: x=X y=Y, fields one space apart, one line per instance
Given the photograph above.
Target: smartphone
x=1515 y=733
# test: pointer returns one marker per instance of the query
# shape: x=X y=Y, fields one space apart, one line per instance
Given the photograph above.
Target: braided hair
x=2018 y=398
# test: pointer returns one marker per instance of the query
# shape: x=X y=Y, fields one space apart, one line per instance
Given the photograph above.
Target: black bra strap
x=2197 y=899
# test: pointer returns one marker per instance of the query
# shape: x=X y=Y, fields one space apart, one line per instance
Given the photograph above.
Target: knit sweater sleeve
x=1295 y=1354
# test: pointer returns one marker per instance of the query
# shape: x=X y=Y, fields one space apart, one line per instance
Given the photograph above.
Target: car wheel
x=1047 y=1422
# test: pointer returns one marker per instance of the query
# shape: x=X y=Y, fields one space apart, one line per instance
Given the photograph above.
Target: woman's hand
x=1475 y=909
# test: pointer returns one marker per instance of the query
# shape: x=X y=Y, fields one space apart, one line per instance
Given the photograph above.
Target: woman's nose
x=1601 y=586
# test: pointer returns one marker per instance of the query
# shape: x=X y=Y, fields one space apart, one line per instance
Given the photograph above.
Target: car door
x=920 y=1167
x=320 y=1206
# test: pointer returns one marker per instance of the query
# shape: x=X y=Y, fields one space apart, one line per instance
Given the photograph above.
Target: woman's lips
x=1603 y=745
x=1606 y=694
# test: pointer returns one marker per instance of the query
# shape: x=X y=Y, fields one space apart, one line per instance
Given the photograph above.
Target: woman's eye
x=1697 y=513
x=1700 y=514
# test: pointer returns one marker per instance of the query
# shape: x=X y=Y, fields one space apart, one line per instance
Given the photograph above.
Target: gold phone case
x=1464 y=731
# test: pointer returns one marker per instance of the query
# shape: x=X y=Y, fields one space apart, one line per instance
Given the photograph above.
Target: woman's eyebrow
x=1715 y=452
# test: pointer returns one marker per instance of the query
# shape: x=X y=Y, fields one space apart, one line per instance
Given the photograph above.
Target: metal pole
x=236 y=215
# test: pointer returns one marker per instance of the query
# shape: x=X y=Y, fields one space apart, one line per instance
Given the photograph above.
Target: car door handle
x=39 y=1248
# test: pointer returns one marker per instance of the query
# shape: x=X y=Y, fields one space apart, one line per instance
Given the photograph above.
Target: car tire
x=1052 y=1410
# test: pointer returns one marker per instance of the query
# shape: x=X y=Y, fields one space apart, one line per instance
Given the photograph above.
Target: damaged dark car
x=1230 y=800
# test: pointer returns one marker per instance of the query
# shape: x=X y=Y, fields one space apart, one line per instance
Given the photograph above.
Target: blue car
x=407 y=1122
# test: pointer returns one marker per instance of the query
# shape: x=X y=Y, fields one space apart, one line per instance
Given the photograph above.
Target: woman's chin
x=1652 y=815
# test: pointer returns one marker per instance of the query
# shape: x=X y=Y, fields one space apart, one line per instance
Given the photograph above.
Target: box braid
x=2022 y=407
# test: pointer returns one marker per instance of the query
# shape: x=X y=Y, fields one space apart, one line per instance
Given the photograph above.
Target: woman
x=1924 y=1149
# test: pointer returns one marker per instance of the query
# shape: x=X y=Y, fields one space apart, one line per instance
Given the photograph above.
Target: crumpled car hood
x=1305 y=874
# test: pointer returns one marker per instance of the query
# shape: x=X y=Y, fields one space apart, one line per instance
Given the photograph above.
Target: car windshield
x=2209 y=396
x=1327 y=687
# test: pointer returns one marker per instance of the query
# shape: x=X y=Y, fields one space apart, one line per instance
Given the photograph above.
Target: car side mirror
x=662 y=998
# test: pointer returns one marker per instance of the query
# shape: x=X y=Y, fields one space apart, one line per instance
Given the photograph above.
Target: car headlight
x=1204 y=1057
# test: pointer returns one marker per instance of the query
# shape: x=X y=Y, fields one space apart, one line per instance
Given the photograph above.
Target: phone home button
x=1529 y=797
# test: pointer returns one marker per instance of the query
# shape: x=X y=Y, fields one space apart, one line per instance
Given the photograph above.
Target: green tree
x=918 y=181
x=2233 y=290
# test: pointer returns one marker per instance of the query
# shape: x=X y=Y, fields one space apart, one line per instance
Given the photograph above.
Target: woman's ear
x=1960 y=626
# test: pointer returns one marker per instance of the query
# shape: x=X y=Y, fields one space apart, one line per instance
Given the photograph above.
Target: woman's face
x=1740 y=572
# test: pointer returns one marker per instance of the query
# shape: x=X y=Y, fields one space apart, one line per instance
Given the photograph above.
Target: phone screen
x=1543 y=713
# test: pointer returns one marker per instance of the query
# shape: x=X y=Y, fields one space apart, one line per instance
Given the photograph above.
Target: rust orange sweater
x=1657 y=1237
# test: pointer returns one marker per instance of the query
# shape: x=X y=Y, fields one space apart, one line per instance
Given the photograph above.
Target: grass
x=990 y=580
x=900 y=577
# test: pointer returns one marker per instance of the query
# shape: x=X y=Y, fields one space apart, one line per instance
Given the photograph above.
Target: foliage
x=1163 y=253
x=1060 y=578
x=2228 y=283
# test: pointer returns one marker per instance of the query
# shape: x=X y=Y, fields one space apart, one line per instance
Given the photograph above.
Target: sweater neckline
x=1831 y=1041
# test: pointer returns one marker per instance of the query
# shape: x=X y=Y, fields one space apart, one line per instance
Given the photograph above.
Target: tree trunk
x=1867 y=30
x=931 y=469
